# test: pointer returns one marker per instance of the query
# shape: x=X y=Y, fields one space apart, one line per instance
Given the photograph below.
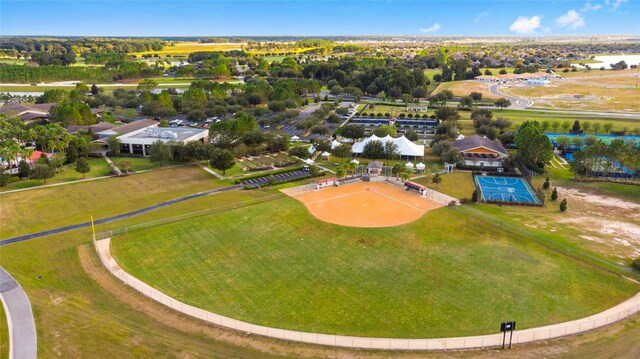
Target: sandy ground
x=611 y=222
x=365 y=204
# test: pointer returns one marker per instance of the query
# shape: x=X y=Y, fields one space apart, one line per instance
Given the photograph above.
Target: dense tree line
x=112 y=71
x=27 y=45
x=601 y=159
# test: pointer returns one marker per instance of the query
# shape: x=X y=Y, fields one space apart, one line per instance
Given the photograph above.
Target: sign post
x=507 y=327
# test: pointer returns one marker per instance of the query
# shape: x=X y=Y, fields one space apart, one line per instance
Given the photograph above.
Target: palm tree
x=350 y=166
x=340 y=172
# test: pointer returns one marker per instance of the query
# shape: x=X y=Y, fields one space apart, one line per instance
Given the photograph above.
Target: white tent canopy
x=355 y=161
x=420 y=166
x=325 y=154
x=294 y=138
x=404 y=146
x=408 y=165
x=335 y=144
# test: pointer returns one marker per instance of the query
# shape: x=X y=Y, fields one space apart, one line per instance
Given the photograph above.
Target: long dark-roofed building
x=28 y=113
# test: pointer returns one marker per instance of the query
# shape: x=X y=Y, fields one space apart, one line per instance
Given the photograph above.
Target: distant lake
x=606 y=60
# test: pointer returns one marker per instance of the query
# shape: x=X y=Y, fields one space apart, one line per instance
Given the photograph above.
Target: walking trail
x=22 y=329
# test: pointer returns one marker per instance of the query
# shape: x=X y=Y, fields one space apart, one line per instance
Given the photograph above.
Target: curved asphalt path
x=22 y=328
x=117 y=217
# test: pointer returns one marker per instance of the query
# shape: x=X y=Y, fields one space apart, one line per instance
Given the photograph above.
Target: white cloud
x=480 y=16
x=525 y=25
x=588 y=7
x=571 y=19
x=433 y=28
x=614 y=4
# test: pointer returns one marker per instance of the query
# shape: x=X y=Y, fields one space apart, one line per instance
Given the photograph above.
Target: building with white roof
x=404 y=146
x=139 y=141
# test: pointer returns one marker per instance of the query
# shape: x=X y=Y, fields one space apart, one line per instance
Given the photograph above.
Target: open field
x=12 y=61
x=464 y=88
x=51 y=207
x=365 y=204
x=185 y=48
x=457 y=184
x=99 y=167
x=517 y=117
x=603 y=218
x=595 y=93
x=331 y=278
x=117 y=320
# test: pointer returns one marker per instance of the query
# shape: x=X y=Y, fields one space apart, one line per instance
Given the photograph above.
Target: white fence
x=612 y=315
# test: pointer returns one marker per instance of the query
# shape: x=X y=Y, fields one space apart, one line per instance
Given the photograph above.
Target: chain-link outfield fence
x=612 y=315
x=190 y=215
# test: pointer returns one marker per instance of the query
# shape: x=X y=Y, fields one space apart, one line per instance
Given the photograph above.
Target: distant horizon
x=328 y=36
x=144 y=18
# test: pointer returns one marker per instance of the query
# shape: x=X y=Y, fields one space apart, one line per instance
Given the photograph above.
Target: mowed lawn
x=464 y=88
x=51 y=207
x=98 y=167
x=458 y=184
x=446 y=274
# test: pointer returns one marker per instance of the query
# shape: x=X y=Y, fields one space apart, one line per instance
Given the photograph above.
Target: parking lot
x=283 y=177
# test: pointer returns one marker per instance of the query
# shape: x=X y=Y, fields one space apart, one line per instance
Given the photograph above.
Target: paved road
x=115 y=218
x=22 y=328
x=516 y=102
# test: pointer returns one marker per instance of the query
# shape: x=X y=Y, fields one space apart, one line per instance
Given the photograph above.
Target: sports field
x=365 y=204
x=509 y=189
x=445 y=274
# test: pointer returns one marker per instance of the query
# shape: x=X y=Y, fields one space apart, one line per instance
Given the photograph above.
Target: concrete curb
x=623 y=310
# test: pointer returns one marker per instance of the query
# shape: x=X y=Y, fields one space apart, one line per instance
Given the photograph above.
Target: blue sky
x=245 y=18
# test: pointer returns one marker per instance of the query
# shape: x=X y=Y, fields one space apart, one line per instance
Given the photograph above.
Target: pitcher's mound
x=365 y=204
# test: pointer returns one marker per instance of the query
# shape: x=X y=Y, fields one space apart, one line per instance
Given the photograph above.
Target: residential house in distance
x=481 y=152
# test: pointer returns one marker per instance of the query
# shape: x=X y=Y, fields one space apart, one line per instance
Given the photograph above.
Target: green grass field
x=77 y=317
x=4 y=334
x=517 y=117
x=51 y=207
x=99 y=167
x=442 y=275
x=457 y=184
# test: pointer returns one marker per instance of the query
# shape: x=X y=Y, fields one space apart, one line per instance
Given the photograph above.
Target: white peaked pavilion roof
x=420 y=166
x=404 y=145
x=325 y=154
x=335 y=144
x=408 y=165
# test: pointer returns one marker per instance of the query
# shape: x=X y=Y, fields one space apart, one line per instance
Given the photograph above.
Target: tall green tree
x=42 y=172
x=159 y=152
x=534 y=147
x=82 y=166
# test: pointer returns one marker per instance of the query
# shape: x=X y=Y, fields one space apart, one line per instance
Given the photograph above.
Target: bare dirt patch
x=607 y=221
x=365 y=204
x=601 y=200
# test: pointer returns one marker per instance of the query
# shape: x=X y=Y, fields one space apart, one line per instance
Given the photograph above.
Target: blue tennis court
x=508 y=189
